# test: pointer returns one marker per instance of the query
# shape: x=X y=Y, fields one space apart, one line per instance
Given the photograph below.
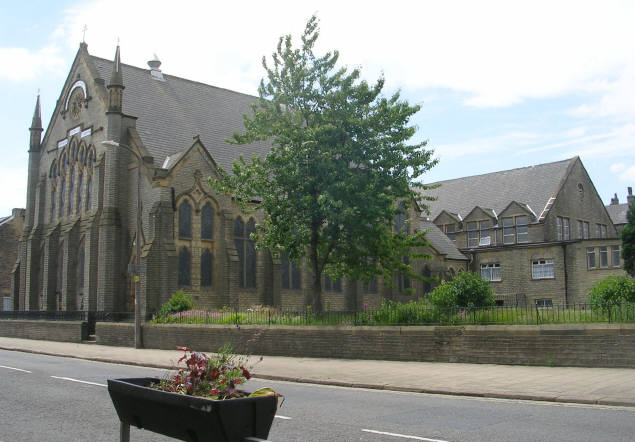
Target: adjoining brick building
x=79 y=239
x=10 y=233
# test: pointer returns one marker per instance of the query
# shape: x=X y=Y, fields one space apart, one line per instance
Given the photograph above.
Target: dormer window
x=478 y=233
x=515 y=229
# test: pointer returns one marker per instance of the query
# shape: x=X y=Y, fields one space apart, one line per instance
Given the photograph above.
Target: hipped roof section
x=532 y=185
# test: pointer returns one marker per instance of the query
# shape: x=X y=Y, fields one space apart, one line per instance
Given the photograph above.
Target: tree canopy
x=340 y=169
x=628 y=241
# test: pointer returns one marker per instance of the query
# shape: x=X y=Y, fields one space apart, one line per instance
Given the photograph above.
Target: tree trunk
x=316 y=294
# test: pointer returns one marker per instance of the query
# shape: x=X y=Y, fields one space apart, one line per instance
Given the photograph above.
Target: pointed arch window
x=81 y=257
x=62 y=191
x=60 y=276
x=207 y=222
x=71 y=190
x=185 y=220
x=207 y=268
x=79 y=192
x=185 y=267
x=53 y=200
x=74 y=152
x=89 y=191
x=246 y=249
x=369 y=287
x=82 y=155
x=291 y=273
x=64 y=161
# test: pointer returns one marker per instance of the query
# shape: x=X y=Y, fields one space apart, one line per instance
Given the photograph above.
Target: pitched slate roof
x=532 y=185
x=171 y=112
x=439 y=241
x=617 y=212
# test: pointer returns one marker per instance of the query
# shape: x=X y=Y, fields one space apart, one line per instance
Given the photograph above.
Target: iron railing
x=388 y=314
x=411 y=314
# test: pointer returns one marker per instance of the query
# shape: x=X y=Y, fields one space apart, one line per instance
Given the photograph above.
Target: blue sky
x=502 y=84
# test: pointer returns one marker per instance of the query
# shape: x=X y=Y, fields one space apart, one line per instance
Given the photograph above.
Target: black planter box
x=188 y=417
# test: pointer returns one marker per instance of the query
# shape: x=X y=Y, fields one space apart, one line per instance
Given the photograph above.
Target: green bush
x=178 y=302
x=467 y=289
x=444 y=296
x=612 y=290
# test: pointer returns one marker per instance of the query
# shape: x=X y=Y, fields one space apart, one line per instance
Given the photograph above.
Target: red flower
x=213 y=391
x=215 y=374
x=246 y=372
x=222 y=382
x=238 y=381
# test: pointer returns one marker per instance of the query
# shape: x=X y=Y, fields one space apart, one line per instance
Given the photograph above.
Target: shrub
x=178 y=302
x=612 y=290
x=467 y=289
x=444 y=296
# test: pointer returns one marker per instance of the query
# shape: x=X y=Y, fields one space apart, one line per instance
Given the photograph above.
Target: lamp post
x=137 y=311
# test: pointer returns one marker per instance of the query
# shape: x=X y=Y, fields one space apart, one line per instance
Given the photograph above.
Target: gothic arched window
x=80 y=276
x=207 y=222
x=62 y=191
x=207 y=268
x=71 y=190
x=401 y=218
x=291 y=273
x=53 y=199
x=246 y=249
x=185 y=267
x=89 y=191
x=79 y=192
x=185 y=220
x=60 y=276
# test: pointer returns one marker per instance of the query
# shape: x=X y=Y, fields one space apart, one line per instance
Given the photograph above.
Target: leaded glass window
x=207 y=268
x=332 y=286
x=403 y=282
x=401 y=218
x=207 y=222
x=62 y=192
x=79 y=192
x=53 y=200
x=291 y=273
x=370 y=287
x=246 y=250
x=71 y=189
x=89 y=192
x=185 y=266
x=185 y=220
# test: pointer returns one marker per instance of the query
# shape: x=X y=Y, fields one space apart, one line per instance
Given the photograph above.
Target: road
x=65 y=399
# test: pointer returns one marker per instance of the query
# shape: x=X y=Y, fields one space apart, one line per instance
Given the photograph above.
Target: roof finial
x=84 y=33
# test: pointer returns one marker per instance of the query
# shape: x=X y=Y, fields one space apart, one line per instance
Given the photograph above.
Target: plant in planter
x=200 y=402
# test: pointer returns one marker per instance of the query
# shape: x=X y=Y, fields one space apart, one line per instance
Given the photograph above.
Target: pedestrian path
x=604 y=386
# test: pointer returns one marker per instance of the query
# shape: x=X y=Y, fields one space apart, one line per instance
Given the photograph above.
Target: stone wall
x=592 y=345
x=60 y=331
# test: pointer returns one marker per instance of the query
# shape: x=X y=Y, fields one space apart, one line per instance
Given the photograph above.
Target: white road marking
x=282 y=417
x=405 y=436
x=77 y=380
x=13 y=368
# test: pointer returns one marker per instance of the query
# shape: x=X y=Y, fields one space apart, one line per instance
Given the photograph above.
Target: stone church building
x=124 y=141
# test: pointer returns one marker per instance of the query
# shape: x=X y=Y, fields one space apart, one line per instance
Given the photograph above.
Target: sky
x=501 y=84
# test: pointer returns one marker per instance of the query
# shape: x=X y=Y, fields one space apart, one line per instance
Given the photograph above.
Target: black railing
x=411 y=314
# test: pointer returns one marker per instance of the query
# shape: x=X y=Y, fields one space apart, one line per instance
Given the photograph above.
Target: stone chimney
x=615 y=200
x=629 y=196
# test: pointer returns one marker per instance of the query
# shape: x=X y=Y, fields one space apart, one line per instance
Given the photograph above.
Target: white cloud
x=497 y=52
x=21 y=64
x=13 y=178
x=628 y=175
x=617 y=167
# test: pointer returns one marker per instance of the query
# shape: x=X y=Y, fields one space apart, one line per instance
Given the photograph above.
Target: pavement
x=601 y=386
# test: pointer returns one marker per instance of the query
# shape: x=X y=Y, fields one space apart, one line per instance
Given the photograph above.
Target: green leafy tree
x=628 y=241
x=611 y=291
x=339 y=171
